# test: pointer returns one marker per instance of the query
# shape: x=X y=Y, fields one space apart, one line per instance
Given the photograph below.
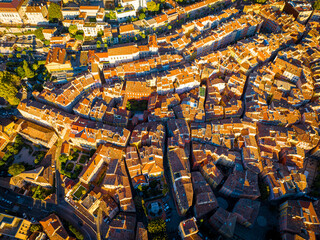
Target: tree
x=153 y=6
x=98 y=44
x=63 y=158
x=316 y=5
x=35 y=67
x=24 y=52
x=20 y=72
x=73 y=29
x=111 y=15
x=18 y=55
x=8 y=87
x=35 y=228
x=100 y=33
x=16 y=169
x=78 y=235
x=54 y=12
x=157 y=226
x=142 y=16
x=27 y=70
x=79 y=37
x=39 y=34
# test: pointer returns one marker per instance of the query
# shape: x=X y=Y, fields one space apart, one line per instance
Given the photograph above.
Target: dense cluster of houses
x=232 y=105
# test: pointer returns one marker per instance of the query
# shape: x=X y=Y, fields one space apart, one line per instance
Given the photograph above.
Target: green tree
x=98 y=44
x=54 y=12
x=153 y=6
x=316 y=5
x=35 y=228
x=8 y=87
x=39 y=34
x=27 y=70
x=35 y=67
x=63 y=158
x=18 y=55
x=142 y=16
x=79 y=37
x=100 y=33
x=73 y=29
x=78 y=235
x=16 y=169
x=157 y=226
x=111 y=15
x=20 y=72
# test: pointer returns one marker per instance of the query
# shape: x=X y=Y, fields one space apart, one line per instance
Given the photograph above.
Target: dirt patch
x=24 y=156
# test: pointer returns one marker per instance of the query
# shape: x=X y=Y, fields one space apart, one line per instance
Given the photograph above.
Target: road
x=39 y=209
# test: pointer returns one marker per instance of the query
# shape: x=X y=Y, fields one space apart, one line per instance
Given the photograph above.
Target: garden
x=72 y=164
x=78 y=194
x=20 y=156
x=39 y=192
x=156 y=188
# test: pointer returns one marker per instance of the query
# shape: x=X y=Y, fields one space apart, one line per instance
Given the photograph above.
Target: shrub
x=16 y=169
x=69 y=167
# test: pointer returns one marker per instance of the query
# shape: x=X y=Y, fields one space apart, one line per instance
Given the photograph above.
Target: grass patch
x=39 y=156
x=79 y=192
x=83 y=159
x=134 y=105
x=69 y=167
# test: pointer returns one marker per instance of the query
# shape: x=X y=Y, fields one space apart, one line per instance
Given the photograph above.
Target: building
x=298 y=219
x=224 y=222
x=40 y=176
x=181 y=177
x=141 y=232
x=67 y=95
x=121 y=227
x=57 y=60
x=14 y=227
x=7 y=126
x=54 y=229
x=36 y=133
x=11 y=12
x=128 y=32
x=188 y=228
x=123 y=54
x=48 y=33
x=89 y=135
x=301 y=10
x=37 y=15
x=103 y=155
x=137 y=4
x=246 y=211
x=95 y=202
x=205 y=201
x=47 y=116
